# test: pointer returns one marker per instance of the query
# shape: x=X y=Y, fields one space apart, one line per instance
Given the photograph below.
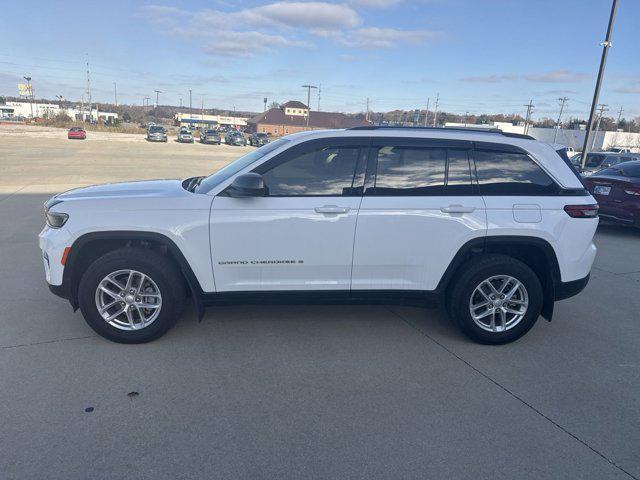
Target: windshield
x=593 y=160
x=155 y=129
x=234 y=167
x=261 y=135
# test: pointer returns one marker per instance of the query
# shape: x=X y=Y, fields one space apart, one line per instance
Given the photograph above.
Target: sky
x=489 y=56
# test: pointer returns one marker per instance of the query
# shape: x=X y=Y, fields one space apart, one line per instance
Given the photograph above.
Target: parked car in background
x=185 y=136
x=617 y=190
x=258 y=139
x=223 y=128
x=235 y=137
x=599 y=160
x=618 y=150
x=156 y=133
x=210 y=136
x=76 y=133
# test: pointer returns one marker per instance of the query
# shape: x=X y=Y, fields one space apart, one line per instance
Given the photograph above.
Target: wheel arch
x=535 y=252
x=90 y=246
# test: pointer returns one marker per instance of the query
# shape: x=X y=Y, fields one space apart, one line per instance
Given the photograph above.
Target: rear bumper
x=570 y=289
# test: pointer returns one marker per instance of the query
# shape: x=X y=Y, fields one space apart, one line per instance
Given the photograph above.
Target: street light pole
x=308 y=87
x=596 y=94
x=190 y=111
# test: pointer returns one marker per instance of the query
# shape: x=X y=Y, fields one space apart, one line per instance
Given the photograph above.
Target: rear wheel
x=131 y=295
x=496 y=299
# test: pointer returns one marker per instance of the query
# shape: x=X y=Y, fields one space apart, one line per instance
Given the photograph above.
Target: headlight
x=56 y=220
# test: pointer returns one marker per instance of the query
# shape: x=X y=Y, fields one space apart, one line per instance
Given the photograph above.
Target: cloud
x=245 y=44
x=626 y=90
x=376 y=3
x=321 y=16
x=375 y=37
x=490 y=79
x=557 y=76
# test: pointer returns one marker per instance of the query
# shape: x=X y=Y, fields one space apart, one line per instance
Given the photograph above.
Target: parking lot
x=298 y=391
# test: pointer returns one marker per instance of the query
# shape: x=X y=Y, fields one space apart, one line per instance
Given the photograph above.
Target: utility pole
x=265 y=103
x=89 y=88
x=190 y=111
x=202 y=111
x=319 y=94
x=115 y=93
x=366 y=115
x=30 y=92
x=619 y=118
x=435 y=111
x=601 y=109
x=528 y=117
x=146 y=101
x=158 y=92
x=596 y=94
x=466 y=118
x=562 y=101
x=308 y=87
x=426 y=114
x=180 y=97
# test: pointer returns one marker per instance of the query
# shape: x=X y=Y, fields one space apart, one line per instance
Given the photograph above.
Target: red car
x=77 y=133
x=617 y=190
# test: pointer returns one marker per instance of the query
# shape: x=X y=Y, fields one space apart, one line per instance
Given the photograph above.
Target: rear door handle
x=332 y=209
x=457 y=209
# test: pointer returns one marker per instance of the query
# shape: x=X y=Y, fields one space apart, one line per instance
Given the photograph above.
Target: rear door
x=419 y=207
x=300 y=235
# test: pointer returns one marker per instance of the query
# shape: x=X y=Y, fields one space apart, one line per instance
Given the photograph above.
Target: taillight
x=632 y=190
x=582 y=211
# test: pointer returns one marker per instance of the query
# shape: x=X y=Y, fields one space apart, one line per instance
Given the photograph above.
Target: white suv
x=497 y=226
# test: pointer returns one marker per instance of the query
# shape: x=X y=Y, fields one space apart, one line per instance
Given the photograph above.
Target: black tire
x=159 y=268
x=475 y=272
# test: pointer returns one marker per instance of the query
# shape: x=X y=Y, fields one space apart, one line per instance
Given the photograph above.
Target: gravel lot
x=298 y=391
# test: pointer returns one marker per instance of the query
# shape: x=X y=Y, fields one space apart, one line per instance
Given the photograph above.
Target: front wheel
x=131 y=295
x=496 y=300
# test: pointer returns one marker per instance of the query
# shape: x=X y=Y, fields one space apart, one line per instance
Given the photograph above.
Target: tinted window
x=506 y=173
x=410 y=171
x=458 y=173
x=630 y=170
x=327 y=171
x=593 y=160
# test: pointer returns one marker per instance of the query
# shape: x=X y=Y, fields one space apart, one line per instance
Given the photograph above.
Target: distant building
x=291 y=117
x=207 y=121
x=48 y=110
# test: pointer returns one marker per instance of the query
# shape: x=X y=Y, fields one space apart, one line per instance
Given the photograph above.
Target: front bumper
x=570 y=289
x=52 y=242
x=157 y=139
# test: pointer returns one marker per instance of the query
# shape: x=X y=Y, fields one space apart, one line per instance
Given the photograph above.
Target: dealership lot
x=298 y=391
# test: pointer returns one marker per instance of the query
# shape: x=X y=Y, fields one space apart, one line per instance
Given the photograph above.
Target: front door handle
x=457 y=209
x=332 y=209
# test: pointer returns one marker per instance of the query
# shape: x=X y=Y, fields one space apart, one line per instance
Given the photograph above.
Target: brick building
x=291 y=117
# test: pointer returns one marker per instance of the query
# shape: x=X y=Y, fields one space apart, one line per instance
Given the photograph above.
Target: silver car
x=156 y=133
x=185 y=136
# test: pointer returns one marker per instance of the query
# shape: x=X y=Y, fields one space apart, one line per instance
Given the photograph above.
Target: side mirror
x=247 y=185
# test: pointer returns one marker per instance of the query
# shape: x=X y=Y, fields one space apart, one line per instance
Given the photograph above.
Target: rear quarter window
x=511 y=173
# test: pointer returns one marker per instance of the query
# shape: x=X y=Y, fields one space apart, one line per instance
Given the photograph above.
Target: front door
x=299 y=236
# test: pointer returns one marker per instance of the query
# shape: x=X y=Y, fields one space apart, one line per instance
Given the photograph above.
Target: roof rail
x=460 y=129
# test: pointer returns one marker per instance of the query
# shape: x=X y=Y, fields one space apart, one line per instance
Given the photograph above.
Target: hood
x=149 y=188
